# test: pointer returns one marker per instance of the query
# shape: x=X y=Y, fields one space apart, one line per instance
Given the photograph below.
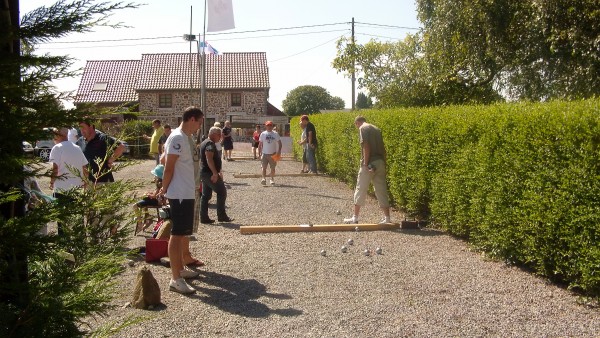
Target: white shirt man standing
x=179 y=186
x=269 y=149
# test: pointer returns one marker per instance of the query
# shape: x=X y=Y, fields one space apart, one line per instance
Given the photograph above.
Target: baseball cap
x=268 y=123
x=304 y=117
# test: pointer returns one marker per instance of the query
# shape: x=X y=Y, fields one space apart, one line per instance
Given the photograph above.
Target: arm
x=280 y=147
x=54 y=175
x=310 y=140
x=260 y=146
x=168 y=172
x=211 y=164
x=366 y=154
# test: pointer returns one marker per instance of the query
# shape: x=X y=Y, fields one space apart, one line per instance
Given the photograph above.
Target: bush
x=519 y=181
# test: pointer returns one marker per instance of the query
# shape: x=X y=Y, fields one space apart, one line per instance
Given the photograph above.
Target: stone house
x=237 y=88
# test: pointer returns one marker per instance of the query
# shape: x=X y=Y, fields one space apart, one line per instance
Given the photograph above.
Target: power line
x=379 y=36
x=386 y=26
x=306 y=50
x=278 y=29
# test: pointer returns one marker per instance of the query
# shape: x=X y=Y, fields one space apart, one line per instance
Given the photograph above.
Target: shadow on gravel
x=422 y=232
x=238 y=296
x=277 y=185
x=327 y=196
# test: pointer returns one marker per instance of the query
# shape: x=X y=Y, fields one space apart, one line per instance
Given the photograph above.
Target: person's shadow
x=238 y=296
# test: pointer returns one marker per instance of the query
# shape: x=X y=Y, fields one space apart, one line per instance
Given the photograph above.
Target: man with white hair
x=212 y=178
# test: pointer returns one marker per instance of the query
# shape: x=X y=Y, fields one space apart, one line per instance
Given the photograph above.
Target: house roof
x=108 y=81
x=225 y=71
x=273 y=111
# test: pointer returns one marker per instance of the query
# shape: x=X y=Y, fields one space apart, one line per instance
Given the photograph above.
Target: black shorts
x=227 y=143
x=254 y=144
x=148 y=202
x=182 y=216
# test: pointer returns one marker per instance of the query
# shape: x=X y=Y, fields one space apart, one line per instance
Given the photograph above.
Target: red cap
x=304 y=117
x=268 y=123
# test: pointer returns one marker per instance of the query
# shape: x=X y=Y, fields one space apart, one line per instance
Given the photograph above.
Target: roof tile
x=120 y=76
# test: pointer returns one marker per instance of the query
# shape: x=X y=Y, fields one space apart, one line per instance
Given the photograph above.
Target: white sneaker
x=385 y=221
x=187 y=273
x=351 y=220
x=263 y=182
x=271 y=182
x=180 y=286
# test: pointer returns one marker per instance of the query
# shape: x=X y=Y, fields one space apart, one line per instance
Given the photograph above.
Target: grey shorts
x=267 y=160
x=182 y=216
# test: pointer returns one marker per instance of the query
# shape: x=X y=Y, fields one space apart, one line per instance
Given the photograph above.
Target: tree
x=310 y=99
x=42 y=293
x=481 y=52
x=527 y=49
x=363 y=101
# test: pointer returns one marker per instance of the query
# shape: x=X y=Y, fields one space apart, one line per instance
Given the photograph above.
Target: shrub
x=520 y=181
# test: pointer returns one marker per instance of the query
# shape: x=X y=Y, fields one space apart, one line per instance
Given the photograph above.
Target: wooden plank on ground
x=239 y=175
x=255 y=229
x=249 y=158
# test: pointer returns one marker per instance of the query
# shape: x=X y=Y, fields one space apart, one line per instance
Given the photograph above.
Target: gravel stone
x=428 y=284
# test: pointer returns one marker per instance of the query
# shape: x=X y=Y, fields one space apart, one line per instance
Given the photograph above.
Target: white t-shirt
x=183 y=183
x=269 y=141
x=65 y=155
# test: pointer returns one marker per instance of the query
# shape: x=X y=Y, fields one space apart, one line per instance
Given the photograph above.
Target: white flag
x=220 y=15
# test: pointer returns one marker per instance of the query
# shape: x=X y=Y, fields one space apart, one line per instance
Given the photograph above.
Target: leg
x=221 y=191
x=380 y=186
x=360 y=193
x=310 y=158
x=206 y=196
x=176 y=255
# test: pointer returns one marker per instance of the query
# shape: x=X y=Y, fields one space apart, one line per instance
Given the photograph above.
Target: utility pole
x=353 y=64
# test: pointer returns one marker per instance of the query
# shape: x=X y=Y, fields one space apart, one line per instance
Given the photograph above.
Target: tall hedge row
x=520 y=181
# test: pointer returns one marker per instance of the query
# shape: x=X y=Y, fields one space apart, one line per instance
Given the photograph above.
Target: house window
x=236 y=99
x=165 y=100
x=100 y=86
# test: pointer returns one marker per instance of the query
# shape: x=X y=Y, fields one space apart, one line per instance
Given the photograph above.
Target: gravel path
x=425 y=284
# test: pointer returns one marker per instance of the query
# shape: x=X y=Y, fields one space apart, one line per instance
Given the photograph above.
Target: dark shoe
x=226 y=219
x=207 y=221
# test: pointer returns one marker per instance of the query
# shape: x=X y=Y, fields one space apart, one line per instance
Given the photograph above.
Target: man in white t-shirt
x=269 y=150
x=179 y=186
x=69 y=166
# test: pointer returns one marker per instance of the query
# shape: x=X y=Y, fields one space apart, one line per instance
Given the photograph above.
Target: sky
x=298 y=37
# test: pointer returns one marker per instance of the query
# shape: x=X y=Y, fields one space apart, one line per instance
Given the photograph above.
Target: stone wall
x=252 y=110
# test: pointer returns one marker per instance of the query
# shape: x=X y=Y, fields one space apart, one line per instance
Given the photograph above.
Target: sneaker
x=385 y=221
x=263 y=182
x=180 y=286
x=351 y=220
x=187 y=273
x=271 y=182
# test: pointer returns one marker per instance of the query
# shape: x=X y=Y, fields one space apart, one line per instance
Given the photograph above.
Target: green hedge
x=519 y=181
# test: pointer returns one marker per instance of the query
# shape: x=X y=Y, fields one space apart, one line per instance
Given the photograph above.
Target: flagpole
x=191 y=70
x=203 y=86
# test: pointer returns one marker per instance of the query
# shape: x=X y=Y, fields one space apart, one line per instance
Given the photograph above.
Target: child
x=149 y=200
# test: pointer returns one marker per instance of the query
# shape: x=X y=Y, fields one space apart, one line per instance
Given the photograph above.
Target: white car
x=27 y=148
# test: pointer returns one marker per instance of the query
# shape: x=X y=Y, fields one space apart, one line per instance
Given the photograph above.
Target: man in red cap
x=269 y=145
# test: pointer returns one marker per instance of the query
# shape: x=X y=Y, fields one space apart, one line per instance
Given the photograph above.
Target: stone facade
x=218 y=106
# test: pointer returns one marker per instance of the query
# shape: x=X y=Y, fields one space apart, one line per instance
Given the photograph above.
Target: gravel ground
x=425 y=284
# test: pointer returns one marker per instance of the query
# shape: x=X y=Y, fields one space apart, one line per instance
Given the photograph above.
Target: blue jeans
x=207 y=189
x=310 y=158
